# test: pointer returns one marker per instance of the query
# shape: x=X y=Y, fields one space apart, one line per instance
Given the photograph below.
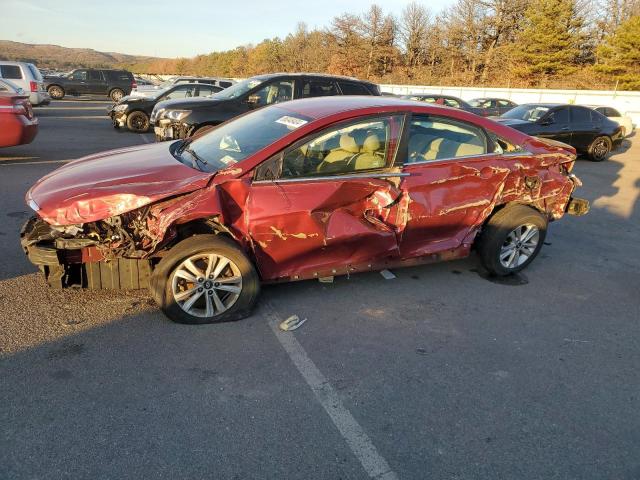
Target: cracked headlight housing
x=176 y=115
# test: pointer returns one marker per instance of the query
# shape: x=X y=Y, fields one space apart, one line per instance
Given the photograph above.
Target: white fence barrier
x=628 y=103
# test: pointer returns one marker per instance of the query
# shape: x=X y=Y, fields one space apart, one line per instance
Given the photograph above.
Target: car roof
x=269 y=76
x=7 y=62
x=320 y=107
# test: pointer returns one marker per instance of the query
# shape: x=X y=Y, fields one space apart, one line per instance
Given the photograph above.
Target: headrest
x=371 y=143
x=348 y=143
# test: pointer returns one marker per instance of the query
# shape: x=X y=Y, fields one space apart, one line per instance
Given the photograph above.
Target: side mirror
x=269 y=170
x=253 y=100
x=546 y=121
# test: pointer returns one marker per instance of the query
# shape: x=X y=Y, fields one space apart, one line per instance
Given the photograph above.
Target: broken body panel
x=135 y=203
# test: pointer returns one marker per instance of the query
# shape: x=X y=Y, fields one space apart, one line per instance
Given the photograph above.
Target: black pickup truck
x=88 y=81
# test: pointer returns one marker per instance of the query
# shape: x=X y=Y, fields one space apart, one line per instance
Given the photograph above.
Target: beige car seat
x=371 y=157
x=440 y=148
x=347 y=149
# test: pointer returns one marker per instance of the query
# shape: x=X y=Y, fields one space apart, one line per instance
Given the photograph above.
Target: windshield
x=240 y=88
x=530 y=113
x=238 y=139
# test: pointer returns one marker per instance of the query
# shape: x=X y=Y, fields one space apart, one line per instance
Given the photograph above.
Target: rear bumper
x=38 y=99
x=17 y=130
x=578 y=206
x=69 y=263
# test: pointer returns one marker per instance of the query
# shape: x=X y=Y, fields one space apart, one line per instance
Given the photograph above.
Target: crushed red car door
x=320 y=227
x=453 y=183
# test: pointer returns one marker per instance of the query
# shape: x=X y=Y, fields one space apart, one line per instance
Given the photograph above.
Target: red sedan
x=18 y=124
x=307 y=189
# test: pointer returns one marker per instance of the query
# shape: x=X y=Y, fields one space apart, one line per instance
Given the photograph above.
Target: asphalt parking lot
x=440 y=373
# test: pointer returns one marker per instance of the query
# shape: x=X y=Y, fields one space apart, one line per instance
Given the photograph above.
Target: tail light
x=33 y=86
x=23 y=108
x=134 y=85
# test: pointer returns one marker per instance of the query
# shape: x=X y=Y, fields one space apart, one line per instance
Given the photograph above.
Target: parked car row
x=593 y=130
x=133 y=111
x=151 y=90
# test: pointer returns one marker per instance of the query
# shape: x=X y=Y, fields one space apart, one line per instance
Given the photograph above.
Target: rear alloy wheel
x=511 y=239
x=56 y=92
x=205 y=279
x=116 y=94
x=138 y=122
x=599 y=149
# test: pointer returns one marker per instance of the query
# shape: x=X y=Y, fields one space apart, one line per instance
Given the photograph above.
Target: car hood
x=111 y=183
x=191 y=103
x=522 y=125
x=133 y=99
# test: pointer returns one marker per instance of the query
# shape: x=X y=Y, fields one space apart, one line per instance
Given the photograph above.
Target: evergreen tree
x=619 y=56
x=550 y=41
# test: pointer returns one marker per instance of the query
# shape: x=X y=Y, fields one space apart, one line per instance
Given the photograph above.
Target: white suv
x=28 y=77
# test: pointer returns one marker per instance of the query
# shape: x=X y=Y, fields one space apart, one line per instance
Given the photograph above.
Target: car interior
x=433 y=140
x=358 y=147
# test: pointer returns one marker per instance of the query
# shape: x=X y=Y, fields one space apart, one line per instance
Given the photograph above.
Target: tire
x=172 y=281
x=56 y=92
x=511 y=239
x=138 y=122
x=599 y=149
x=116 y=94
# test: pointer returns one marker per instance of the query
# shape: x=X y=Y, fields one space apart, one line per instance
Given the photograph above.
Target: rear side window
x=580 y=115
x=436 y=138
x=11 y=72
x=349 y=88
x=612 y=112
x=224 y=84
x=35 y=72
x=118 y=76
x=319 y=88
x=95 y=75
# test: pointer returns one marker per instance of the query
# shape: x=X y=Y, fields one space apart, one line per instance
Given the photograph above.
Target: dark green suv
x=88 y=81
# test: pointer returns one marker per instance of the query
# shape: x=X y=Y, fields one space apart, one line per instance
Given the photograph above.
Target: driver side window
x=180 y=92
x=79 y=75
x=560 y=116
x=276 y=92
x=363 y=145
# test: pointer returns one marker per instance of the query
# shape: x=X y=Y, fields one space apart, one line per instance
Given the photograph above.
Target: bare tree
x=414 y=26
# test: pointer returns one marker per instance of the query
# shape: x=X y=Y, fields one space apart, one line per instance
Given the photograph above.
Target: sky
x=177 y=28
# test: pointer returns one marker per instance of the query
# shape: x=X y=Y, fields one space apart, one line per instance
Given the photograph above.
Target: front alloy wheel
x=206 y=285
x=205 y=279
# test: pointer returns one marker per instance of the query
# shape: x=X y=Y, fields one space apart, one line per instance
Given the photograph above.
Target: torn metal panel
x=299 y=229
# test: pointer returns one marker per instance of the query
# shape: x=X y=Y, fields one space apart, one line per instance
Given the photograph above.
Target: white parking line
x=6 y=163
x=357 y=439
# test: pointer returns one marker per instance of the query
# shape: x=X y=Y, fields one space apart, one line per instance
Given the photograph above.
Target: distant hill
x=63 y=58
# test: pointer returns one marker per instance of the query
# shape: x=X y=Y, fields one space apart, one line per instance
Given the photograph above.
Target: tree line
x=502 y=43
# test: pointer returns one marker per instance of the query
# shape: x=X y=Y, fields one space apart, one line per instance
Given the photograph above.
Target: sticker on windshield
x=228 y=160
x=291 y=122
